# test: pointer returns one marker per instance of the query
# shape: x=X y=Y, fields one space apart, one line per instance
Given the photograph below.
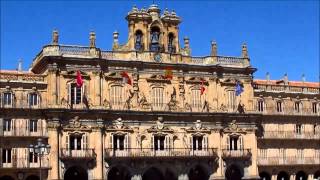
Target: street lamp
x=39 y=150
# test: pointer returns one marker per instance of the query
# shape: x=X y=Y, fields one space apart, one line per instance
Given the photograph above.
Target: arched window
x=157 y=95
x=171 y=45
x=138 y=41
x=155 y=39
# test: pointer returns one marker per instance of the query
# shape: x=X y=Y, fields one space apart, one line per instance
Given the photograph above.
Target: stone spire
x=92 y=39
x=303 y=78
x=244 y=51
x=268 y=76
x=115 y=40
x=20 y=65
x=214 y=48
x=55 y=37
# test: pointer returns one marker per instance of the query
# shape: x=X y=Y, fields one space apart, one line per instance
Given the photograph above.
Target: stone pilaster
x=53 y=141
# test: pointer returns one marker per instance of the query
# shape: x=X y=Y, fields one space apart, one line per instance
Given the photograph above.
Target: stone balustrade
x=288 y=161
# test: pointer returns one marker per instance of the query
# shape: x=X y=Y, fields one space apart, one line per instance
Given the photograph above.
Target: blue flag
x=239 y=89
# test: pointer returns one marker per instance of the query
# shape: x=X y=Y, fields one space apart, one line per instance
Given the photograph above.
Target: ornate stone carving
x=198 y=127
x=233 y=128
x=143 y=103
x=76 y=125
x=160 y=127
x=173 y=101
x=118 y=125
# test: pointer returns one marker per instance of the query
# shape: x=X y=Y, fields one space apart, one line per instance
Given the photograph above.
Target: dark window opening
x=159 y=142
x=138 y=41
x=75 y=142
x=118 y=142
x=155 y=37
x=75 y=94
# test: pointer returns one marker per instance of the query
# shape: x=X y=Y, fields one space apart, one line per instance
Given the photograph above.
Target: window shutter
x=1 y=101
x=1 y=132
x=27 y=122
x=69 y=93
x=67 y=142
x=240 y=143
x=111 y=141
x=205 y=142
x=228 y=142
x=191 y=143
x=84 y=142
x=28 y=100
x=167 y=139
x=128 y=141
x=152 y=142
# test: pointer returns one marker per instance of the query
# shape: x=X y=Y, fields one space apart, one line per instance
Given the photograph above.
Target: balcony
x=236 y=154
x=288 y=111
x=23 y=163
x=78 y=154
x=290 y=135
x=163 y=154
x=288 y=161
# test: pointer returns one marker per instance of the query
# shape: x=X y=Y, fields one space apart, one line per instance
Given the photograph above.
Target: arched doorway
x=198 y=173
x=233 y=173
x=153 y=174
x=6 y=178
x=316 y=175
x=301 y=176
x=76 y=172
x=283 y=176
x=119 y=173
x=264 y=176
x=32 y=177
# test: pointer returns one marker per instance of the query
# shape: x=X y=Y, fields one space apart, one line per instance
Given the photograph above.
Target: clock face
x=157 y=58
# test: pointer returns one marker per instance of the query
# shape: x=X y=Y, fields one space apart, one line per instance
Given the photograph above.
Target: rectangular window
x=231 y=100
x=7 y=125
x=33 y=125
x=260 y=106
x=300 y=153
x=159 y=142
x=197 y=142
x=33 y=158
x=75 y=94
x=299 y=129
x=116 y=97
x=297 y=106
x=33 y=99
x=75 y=142
x=118 y=142
x=157 y=98
x=314 y=108
x=279 y=106
x=6 y=155
x=264 y=153
x=7 y=99
x=196 y=99
x=233 y=143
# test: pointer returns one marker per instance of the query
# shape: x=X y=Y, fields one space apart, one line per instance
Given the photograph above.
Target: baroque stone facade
x=180 y=117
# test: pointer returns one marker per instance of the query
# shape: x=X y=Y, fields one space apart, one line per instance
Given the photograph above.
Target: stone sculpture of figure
x=173 y=102
x=143 y=101
x=106 y=104
x=240 y=108
x=128 y=101
x=205 y=106
x=188 y=107
x=223 y=107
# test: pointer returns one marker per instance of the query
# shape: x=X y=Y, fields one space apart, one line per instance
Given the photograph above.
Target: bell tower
x=149 y=30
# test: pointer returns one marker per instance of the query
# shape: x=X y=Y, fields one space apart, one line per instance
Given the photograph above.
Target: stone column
x=53 y=141
x=310 y=177
x=96 y=142
x=136 y=177
x=274 y=177
x=183 y=177
x=292 y=177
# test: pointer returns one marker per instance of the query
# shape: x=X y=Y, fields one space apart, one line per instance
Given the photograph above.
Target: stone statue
x=223 y=108
x=128 y=101
x=205 y=106
x=173 y=102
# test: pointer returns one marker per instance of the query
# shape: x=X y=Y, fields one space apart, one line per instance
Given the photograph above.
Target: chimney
x=214 y=48
x=92 y=39
x=55 y=37
x=244 y=51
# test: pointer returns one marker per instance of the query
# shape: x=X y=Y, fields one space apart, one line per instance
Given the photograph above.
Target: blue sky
x=282 y=36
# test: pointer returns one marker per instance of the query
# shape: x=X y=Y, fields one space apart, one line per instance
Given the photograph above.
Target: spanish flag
x=126 y=78
x=202 y=88
x=79 y=80
x=168 y=73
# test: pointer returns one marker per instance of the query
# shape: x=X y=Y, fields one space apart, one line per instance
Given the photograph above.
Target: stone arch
x=301 y=175
x=119 y=173
x=153 y=173
x=233 y=172
x=316 y=175
x=283 y=176
x=264 y=176
x=32 y=177
x=170 y=175
x=198 y=172
x=6 y=178
x=75 y=172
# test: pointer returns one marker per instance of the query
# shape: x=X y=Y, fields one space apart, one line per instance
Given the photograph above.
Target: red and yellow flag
x=168 y=73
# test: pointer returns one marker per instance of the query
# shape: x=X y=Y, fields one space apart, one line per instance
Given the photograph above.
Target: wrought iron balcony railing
x=24 y=163
x=288 y=161
x=290 y=135
x=272 y=110
x=78 y=154
x=236 y=154
x=165 y=153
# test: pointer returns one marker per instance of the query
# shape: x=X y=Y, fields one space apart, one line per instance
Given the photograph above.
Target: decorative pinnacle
x=55 y=37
